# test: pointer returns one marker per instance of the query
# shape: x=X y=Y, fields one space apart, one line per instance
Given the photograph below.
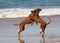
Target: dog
x=38 y=19
x=28 y=20
x=33 y=17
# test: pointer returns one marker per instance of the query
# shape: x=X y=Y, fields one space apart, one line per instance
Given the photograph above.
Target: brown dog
x=33 y=17
x=28 y=20
x=38 y=19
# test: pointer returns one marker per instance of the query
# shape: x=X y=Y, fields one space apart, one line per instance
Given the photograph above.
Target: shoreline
x=26 y=17
x=18 y=12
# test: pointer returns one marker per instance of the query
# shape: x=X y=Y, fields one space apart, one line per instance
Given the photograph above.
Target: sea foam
x=19 y=12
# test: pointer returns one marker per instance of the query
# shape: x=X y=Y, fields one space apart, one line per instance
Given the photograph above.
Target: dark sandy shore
x=8 y=32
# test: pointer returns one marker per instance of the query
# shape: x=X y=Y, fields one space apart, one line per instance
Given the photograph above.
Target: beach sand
x=8 y=32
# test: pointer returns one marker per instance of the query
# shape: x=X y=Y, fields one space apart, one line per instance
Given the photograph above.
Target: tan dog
x=38 y=19
x=33 y=17
x=28 y=20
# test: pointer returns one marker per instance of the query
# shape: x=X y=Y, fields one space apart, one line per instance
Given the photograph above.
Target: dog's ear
x=40 y=9
x=31 y=11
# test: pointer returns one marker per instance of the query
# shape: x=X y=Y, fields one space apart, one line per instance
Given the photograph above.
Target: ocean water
x=22 y=8
x=29 y=3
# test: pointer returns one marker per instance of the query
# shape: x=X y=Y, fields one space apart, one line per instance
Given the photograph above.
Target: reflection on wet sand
x=38 y=39
x=21 y=41
x=42 y=40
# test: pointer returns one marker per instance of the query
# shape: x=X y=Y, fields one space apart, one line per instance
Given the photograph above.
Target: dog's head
x=36 y=10
x=33 y=11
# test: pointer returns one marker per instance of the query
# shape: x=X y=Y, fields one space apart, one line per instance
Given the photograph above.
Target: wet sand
x=8 y=32
x=48 y=39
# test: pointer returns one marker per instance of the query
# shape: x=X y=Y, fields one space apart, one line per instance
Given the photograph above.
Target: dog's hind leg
x=43 y=26
x=19 y=34
x=21 y=29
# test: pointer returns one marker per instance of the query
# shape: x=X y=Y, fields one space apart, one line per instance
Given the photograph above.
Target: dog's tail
x=16 y=24
x=49 y=21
